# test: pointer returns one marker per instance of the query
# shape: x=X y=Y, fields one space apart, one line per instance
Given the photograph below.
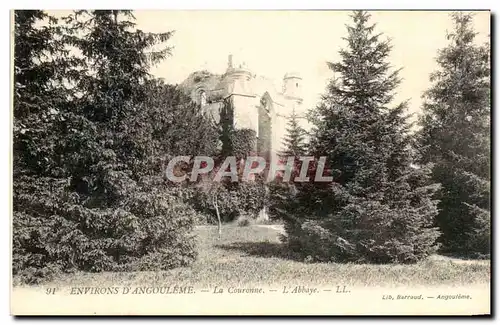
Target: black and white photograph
x=251 y=162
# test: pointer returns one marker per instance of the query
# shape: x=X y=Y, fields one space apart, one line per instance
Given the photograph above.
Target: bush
x=280 y=194
x=244 y=221
x=395 y=229
x=152 y=231
x=243 y=198
x=363 y=232
x=479 y=238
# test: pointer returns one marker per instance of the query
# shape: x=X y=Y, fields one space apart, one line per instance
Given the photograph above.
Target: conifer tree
x=117 y=175
x=38 y=91
x=455 y=136
x=107 y=205
x=378 y=208
x=41 y=66
x=294 y=146
x=294 y=141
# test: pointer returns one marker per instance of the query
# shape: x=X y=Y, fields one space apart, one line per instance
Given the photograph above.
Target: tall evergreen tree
x=115 y=174
x=455 y=136
x=107 y=205
x=41 y=67
x=294 y=146
x=294 y=141
x=38 y=91
x=378 y=207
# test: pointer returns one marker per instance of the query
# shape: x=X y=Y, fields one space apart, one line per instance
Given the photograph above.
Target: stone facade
x=257 y=103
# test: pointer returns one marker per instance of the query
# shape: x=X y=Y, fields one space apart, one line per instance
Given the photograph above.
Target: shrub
x=244 y=221
x=233 y=200
x=52 y=233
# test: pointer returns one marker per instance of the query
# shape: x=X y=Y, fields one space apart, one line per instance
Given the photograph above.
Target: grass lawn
x=254 y=255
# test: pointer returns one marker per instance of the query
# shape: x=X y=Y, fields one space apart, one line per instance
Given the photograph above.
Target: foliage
x=55 y=232
x=235 y=142
x=254 y=256
x=100 y=202
x=233 y=199
x=244 y=221
x=378 y=208
x=455 y=137
x=294 y=141
x=38 y=99
x=38 y=92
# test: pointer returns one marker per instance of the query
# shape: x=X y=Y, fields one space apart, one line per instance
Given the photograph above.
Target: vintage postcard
x=329 y=162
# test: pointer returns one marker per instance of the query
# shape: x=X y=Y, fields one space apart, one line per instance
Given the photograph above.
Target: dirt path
x=457 y=260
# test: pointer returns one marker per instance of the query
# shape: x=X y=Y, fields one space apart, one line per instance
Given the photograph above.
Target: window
x=264 y=102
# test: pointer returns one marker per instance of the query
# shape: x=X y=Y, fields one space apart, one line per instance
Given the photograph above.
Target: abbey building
x=258 y=104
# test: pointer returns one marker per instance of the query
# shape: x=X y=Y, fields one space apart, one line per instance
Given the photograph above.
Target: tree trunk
x=219 y=222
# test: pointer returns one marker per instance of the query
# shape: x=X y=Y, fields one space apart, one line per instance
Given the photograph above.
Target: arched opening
x=265 y=127
x=203 y=98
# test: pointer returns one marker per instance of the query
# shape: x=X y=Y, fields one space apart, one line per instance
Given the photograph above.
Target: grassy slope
x=254 y=255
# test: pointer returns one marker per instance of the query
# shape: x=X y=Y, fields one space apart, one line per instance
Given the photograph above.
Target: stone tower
x=292 y=86
x=236 y=83
x=258 y=103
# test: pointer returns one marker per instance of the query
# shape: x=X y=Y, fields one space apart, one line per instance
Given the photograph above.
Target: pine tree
x=38 y=91
x=105 y=204
x=378 y=207
x=41 y=67
x=280 y=193
x=294 y=141
x=455 y=136
x=116 y=162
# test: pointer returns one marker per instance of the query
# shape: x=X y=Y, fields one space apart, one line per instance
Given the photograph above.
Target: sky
x=273 y=43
